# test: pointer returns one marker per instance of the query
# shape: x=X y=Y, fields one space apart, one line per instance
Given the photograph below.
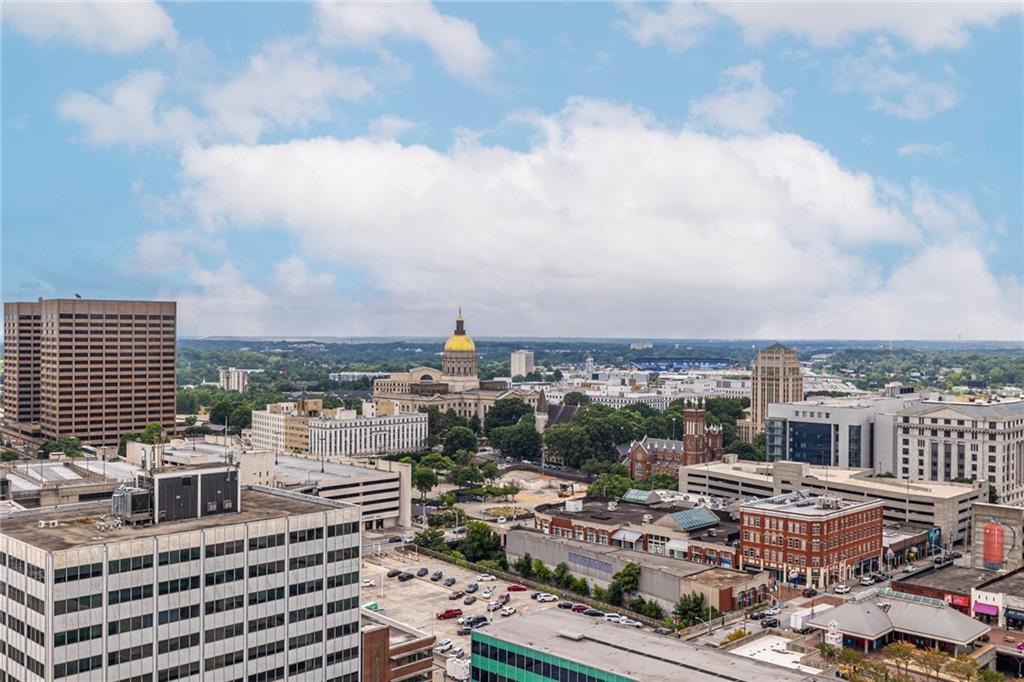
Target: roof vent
x=570 y=634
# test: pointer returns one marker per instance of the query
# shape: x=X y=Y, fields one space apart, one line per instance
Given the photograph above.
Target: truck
x=797 y=619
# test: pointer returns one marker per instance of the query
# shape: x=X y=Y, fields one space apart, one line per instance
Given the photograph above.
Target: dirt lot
x=416 y=602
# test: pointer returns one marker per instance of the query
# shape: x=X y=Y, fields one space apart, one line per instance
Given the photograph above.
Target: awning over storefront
x=624 y=535
x=677 y=546
x=986 y=609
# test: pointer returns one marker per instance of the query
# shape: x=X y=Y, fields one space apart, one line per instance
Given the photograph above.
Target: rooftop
x=951 y=578
x=1010 y=583
x=76 y=524
x=307 y=470
x=595 y=510
x=805 y=504
x=976 y=410
x=399 y=634
x=633 y=654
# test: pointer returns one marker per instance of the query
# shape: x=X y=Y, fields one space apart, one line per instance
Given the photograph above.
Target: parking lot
x=416 y=602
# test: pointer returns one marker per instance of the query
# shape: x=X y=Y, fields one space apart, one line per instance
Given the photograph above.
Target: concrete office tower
x=776 y=379
x=90 y=369
x=232 y=379
x=522 y=363
x=192 y=577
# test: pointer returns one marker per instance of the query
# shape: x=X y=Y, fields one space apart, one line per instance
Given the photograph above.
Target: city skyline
x=626 y=171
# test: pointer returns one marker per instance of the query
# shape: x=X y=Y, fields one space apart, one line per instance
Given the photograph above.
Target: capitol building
x=456 y=387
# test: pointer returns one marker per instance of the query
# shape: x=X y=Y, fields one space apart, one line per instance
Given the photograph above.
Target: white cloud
x=390 y=127
x=743 y=104
x=454 y=41
x=925 y=149
x=923 y=27
x=676 y=25
x=906 y=94
x=608 y=224
x=101 y=26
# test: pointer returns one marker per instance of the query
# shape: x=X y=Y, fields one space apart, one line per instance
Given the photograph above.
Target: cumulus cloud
x=743 y=104
x=390 y=127
x=609 y=223
x=455 y=42
x=925 y=149
x=948 y=25
x=101 y=26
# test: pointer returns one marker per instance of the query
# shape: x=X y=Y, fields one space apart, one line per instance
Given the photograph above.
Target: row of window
x=81 y=665
x=72 y=573
x=132 y=653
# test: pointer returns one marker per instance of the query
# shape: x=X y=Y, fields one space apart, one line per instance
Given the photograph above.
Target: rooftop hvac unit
x=648 y=518
x=613 y=505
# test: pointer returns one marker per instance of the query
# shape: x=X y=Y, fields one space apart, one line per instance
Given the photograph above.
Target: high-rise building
x=776 y=379
x=236 y=380
x=284 y=427
x=192 y=577
x=90 y=369
x=522 y=363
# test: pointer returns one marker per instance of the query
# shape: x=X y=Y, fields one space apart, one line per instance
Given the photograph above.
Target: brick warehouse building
x=701 y=443
x=818 y=541
x=91 y=369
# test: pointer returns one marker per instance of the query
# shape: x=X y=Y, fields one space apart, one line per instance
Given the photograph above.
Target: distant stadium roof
x=695 y=519
x=673 y=364
x=641 y=496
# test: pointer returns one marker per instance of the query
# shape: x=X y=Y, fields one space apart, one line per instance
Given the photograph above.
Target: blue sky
x=685 y=170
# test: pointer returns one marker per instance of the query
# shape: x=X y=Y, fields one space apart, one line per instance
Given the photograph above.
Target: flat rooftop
x=1011 y=583
x=595 y=510
x=805 y=504
x=307 y=469
x=77 y=523
x=951 y=578
x=761 y=472
x=635 y=654
x=398 y=633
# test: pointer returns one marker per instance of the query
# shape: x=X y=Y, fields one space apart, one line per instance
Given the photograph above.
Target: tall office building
x=776 y=379
x=522 y=363
x=232 y=379
x=192 y=577
x=91 y=369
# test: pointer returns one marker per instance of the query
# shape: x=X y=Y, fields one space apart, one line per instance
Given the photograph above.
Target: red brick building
x=700 y=443
x=817 y=541
x=394 y=652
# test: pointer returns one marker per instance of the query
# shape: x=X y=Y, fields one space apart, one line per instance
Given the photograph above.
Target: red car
x=456 y=595
x=503 y=599
x=449 y=613
x=515 y=588
x=579 y=608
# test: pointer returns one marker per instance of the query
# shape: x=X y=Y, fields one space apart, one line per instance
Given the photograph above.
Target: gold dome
x=460 y=341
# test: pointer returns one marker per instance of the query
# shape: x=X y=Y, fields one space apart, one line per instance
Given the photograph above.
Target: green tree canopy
x=576 y=398
x=505 y=412
x=481 y=543
x=153 y=433
x=459 y=438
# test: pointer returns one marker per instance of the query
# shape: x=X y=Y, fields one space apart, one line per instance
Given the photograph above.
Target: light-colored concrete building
x=950 y=439
x=284 y=427
x=998 y=541
x=349 y=435
x=255 y=466
x=243 y=583
x=830 y=431
x=232 y=379
x=776 y=379
x=946 y=506
x=521 y=363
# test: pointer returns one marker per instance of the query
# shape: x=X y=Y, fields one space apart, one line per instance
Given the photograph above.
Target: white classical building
x=348 y=435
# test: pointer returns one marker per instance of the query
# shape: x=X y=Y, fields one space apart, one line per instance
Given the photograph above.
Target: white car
x=613 y=617
x=456 y=653
x=841 y=589
x=547 y=597
x=632 y=623
x=367 y=583
x=485 y=578
x=773 y=611
x=508 y=610
x=443 y=646
x=493 y=606
x=867 y=581
x=486 y=594
x=502 y=519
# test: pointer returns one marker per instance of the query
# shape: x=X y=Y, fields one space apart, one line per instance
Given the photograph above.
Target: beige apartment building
x=284 y=427
x=776 y=379
x=87 y=368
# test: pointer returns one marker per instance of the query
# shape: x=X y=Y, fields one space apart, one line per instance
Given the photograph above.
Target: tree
x=662 y=481
x=437 y=462
x=69 y=445
x=424 y=480
x=466 y=476
x=690 y=609
x=580 y=586
x=431 y=538
x=567 y=443
x=541 y=571
x=505 y=412
x=474 y=423
x=610 y=485
x=561 y=576
x=481 y=543
x=737 y=634
x=153 y=433
x=988 y=675
x=900 y=653
x=8 y=456
x=932 y=660
x=521 y=441
x=963 y=668
x=448 y=500
x=490 y=471
x=829 y=653
x=524 y=565
x=576 y=398
x=993 y=496
x=459 y=438
x=628 y=578
x=851 y=660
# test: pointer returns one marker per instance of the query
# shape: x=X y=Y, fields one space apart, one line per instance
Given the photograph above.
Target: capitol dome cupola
x=459 y=359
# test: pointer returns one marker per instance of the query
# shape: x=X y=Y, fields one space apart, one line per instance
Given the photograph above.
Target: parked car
x=486 y=594
x=394 y=573
x=772 y=611
x=459 y=530
x=771 y=622
x=456 y=653
x=632 y=623
x=367 y=583
x=449 y=613
x=436 y=576
x=842 y=589
x=867 y=581
x=395 y=538
x=502 y=519
x=469 y=600
x=402 y=577
x=662 y=631
x=508 y=610
x=545 y=598
x=472 y=587
x=485 y=578
x=443 y=646
x=565 y=604
x=422 y=572
x=464 y=630
x=536 y=595
x=481 y=624
x=493 y=606
x=478 y=618
x=613 y=617
x=448 y=582
x=758 y=615
x=810 y=592
x=515 y=588
x=457 y=594
x=594 y=613
x=579 y=608
x=504 y=598
x=955 y=555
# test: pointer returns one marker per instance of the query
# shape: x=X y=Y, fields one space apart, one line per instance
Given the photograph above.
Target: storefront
x=1014 y=618
x=986 y=613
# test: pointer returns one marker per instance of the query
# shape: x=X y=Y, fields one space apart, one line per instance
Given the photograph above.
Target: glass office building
x=495 y=660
